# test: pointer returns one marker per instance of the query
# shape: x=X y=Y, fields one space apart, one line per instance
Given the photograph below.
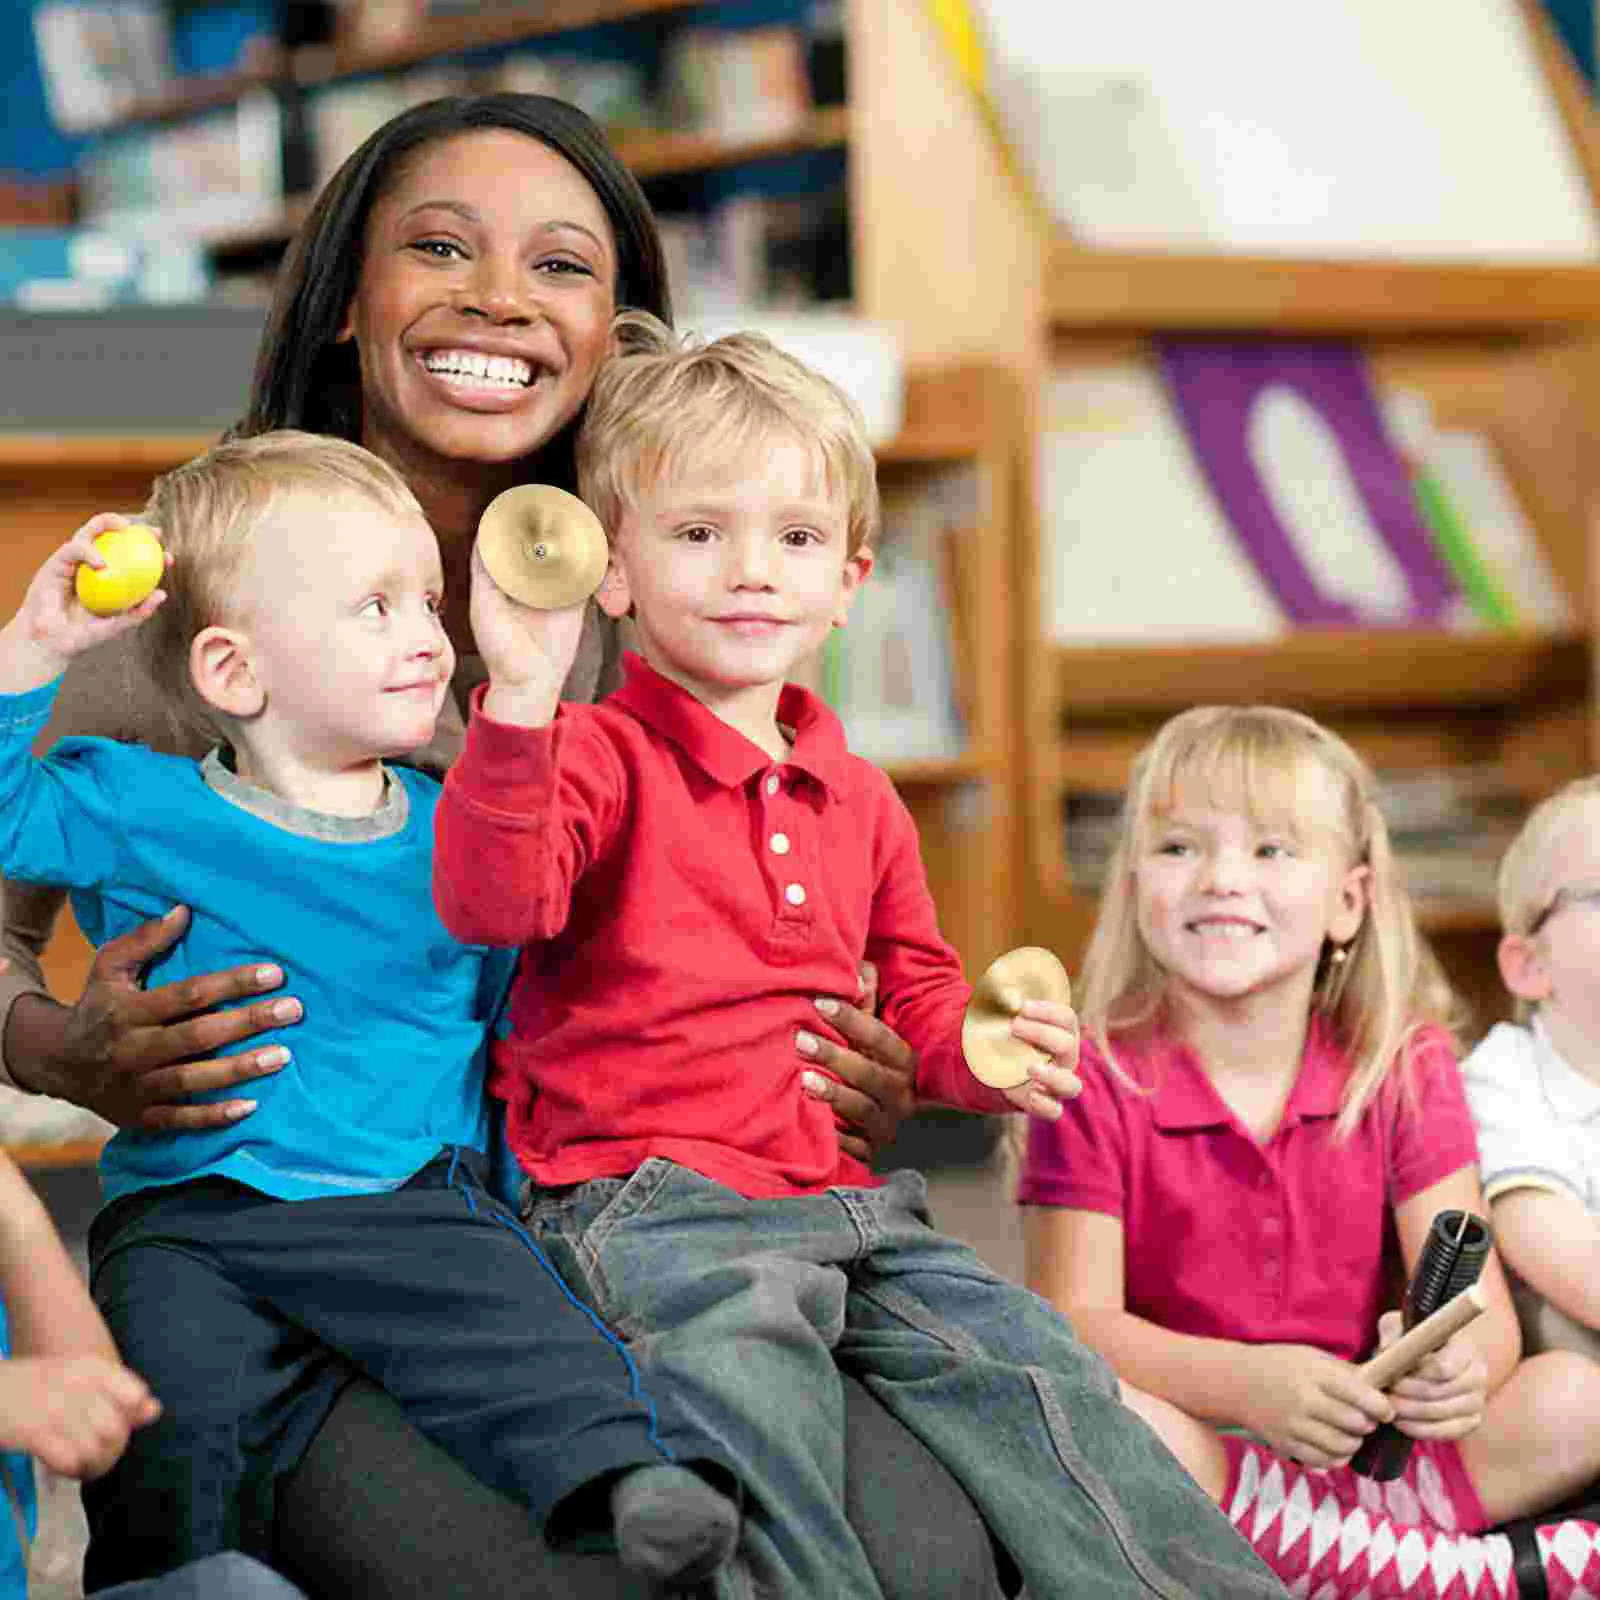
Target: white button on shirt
x=772 y=784
x=795 y=894
x=779 y=843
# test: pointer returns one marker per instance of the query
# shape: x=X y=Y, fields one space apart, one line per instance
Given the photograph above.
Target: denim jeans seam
x=635 y=1195
x=915 y=1314
x=1059 y=1427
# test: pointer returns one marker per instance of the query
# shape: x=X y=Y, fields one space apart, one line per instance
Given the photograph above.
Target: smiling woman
x=447 y=304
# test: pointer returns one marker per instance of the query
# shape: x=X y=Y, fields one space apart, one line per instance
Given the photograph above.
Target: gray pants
x=228 y=1576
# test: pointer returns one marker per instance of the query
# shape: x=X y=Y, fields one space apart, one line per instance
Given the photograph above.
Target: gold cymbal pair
x=1027 y=973
x=543 y=546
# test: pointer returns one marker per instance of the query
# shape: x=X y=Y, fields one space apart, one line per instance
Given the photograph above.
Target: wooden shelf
x=444 y=36
x=658 y=155
x=1325 y=670
x=92 y=452
x=39 y=1157
x=971 y=767
x=449 y=36
x=1090 y=290
x=191 y=96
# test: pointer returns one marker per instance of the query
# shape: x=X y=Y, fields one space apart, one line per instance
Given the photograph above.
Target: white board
x=1420 y=129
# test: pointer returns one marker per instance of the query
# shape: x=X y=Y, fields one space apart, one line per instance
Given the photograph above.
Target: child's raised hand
x=1443 y=1397
x=1052 y=1028
x=73 y=1412
x=528 y=652
x=1309 y=1405
x=51 y=625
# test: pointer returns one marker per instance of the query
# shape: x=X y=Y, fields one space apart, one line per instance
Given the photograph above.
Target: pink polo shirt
x=1291 y=1241
x=682 y=899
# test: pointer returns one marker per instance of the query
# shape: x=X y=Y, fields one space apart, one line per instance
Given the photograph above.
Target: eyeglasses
x=1574 y=894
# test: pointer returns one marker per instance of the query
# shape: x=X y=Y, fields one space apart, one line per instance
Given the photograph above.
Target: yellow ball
x=134 y=565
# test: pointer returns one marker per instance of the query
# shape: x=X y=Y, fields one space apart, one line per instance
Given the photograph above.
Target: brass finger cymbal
x=993 y=1055
x=543 y=546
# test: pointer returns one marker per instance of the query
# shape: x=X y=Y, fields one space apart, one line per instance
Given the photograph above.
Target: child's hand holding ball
x=103 y=581
x=133 y=564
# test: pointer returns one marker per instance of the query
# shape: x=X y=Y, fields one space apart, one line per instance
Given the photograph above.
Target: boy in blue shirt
x=347 y=1222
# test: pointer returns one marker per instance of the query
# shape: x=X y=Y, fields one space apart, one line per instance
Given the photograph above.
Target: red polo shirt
x=681 y=900
x=1291 y=1241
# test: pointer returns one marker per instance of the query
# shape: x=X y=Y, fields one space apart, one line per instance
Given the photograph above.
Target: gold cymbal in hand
x=1027 y=973
x=543 y=546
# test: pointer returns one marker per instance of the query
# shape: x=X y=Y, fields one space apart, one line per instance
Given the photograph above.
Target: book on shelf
x=202 y=177
x=739 y=83
x=1294 y=446
x=894 y=672
x=1232 y=490
x=97 y=61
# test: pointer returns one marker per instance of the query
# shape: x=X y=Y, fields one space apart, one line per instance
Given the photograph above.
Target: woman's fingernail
x=806 y=1043
x=277 y=1056
x=286 y=1011
x=829 y=1008
x=814 y=1084
x=242 y=1110
x=269 y=977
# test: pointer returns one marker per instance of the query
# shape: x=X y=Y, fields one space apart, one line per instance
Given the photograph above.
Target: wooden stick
x=1409 y=1350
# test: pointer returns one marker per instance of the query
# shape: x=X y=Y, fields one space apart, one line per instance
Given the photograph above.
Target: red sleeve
x=923 y=992
x=1432 y=1133
x=523 y=813
x=1082 y=1162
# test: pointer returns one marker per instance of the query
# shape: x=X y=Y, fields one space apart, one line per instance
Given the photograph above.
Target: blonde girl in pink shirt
x=1271 y=1118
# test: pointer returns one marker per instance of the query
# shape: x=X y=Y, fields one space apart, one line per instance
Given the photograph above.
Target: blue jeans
x=248 y=1315
x=745 y=1306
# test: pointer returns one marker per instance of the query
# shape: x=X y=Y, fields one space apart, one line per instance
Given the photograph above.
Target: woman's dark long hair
x=303 y=378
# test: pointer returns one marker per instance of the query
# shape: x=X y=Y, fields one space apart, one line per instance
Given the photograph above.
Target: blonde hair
x=1525 y=886
x=660 y=401
x=1259 y=758
x=208 y=511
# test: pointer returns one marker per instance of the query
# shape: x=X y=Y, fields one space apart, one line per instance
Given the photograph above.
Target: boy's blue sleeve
x=505 y=1175
x=59 y=817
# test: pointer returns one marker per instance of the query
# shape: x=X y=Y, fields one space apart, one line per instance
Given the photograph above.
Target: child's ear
x=1522 y=967
x=613 y=594
x=856 y=570
x=1354 y=894
x=224 y=675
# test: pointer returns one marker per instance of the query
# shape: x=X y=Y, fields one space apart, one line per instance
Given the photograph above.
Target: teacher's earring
x=1334 y=975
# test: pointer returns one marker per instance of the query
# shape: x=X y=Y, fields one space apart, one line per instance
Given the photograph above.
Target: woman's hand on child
x=136 y=1056
x=870 y=1080
x=74 y=1413
x=51 y=625
x=1310 y=1405
x=528 y=652
x=1444 y=1397
x=1052 y=1028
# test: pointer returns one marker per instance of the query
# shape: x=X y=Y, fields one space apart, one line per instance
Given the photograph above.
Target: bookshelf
x=648 y=155
x=958 y=420
x=1509 y=351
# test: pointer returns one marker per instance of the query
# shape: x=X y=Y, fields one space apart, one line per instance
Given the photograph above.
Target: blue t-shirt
x=388 y=1064
x=17 y=1487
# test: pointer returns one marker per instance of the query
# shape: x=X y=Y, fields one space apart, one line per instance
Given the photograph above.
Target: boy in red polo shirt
x=1236 y=1195
x=687 y=868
